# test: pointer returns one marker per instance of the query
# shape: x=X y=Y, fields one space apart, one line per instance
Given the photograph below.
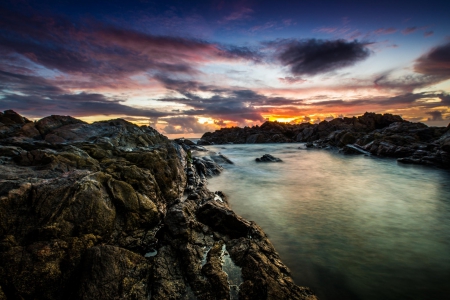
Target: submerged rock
x=268 y=158
x=112 y=210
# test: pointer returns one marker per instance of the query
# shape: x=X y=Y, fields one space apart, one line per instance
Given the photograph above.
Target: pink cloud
x=241 y=14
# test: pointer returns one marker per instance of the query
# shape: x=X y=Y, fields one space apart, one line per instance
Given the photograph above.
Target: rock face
x=111 y=210
x=380 y=135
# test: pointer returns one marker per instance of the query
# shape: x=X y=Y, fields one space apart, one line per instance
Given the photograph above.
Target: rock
x=221 y=159
x=354 y=149
x=98 y=211
x=202 y=142
x=268 y=158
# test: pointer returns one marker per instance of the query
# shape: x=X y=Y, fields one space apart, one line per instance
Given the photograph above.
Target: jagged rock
x=268 y=158
x=98 y=211
x=221 y=159
x=380 y=134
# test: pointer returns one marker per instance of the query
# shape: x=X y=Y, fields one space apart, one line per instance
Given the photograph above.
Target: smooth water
x=349 y=227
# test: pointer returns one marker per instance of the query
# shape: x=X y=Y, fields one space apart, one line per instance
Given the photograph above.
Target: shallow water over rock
x=348 y=226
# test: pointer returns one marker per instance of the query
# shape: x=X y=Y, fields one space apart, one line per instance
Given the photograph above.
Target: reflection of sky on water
x=348 y=226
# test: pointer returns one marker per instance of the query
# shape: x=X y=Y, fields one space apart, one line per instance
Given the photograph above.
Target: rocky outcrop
x=379 y=135
x=111 y=210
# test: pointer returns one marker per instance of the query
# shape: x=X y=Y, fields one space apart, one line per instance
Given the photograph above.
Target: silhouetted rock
x=379 y=134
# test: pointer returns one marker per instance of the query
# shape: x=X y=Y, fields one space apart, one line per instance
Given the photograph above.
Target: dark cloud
x=312 y=57
x=27 y=84
x=235 y=52
x=78 y=105
x=408 y=99
x=37 y=97
x=435 y=115
x=238 y=105
x=436 y=62
x=96 y=49
x=406 y=83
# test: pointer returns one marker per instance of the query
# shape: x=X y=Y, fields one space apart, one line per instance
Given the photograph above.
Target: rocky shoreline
x=111 y=210
x=371 y=134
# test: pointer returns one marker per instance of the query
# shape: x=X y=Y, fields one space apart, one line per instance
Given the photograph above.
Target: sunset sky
x=187 y=67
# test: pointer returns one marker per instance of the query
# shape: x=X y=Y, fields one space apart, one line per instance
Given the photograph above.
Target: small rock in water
x=268 y=158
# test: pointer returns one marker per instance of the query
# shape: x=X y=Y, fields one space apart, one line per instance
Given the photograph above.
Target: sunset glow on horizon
x=190 y=67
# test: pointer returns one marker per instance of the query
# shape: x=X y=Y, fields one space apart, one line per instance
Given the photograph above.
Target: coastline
x=100 y=211
x=383 y=135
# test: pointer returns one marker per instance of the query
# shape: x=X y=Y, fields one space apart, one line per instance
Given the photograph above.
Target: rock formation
x=268 y=158
x=380 y=135
x=111 y=210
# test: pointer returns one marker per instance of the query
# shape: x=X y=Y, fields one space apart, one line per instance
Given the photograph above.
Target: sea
x=347 y=226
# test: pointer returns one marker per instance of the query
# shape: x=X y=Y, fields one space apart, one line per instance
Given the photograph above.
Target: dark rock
x=268 y=158
x=221 y=159
x=202 y=142
x=98 y=211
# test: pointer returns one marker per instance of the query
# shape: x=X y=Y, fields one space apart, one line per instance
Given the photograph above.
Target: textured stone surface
x=111 y=210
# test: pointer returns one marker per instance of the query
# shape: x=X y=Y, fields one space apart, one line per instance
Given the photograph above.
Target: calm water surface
x=349 y=227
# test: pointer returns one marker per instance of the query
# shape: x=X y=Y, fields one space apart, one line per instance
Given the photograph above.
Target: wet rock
x=221 y=159
x=216 y=215
x=267 y=158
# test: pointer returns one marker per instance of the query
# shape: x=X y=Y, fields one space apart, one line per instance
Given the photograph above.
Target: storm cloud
x=435 y=62
x=312 y=57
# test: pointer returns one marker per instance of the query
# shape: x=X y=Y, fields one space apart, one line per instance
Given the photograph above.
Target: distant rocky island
x=383 y=135
x=111 y=210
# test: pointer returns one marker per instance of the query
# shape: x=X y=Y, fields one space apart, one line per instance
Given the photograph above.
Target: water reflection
x=350 y=227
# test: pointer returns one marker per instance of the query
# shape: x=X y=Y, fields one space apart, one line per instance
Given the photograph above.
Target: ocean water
x=349 y=227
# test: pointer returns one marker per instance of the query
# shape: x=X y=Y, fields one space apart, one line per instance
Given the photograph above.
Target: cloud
x=243 y=13
x=389 y=30
x=237 y=105
x=312 y=57
x=327 y=29
x=77 y=105
x=186 y=125
x=37 y=97
x=265 y=26
x=292 y=80
x=407 y=83
x=428 y=33
x=99 y=50
x=435 y=115
x=409 y=30
x=236 y=52
x=436 y=62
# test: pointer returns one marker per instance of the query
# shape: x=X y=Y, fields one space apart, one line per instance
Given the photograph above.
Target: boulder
x=267 y=158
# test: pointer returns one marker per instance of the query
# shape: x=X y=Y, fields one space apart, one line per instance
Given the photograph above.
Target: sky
x=187 y=67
